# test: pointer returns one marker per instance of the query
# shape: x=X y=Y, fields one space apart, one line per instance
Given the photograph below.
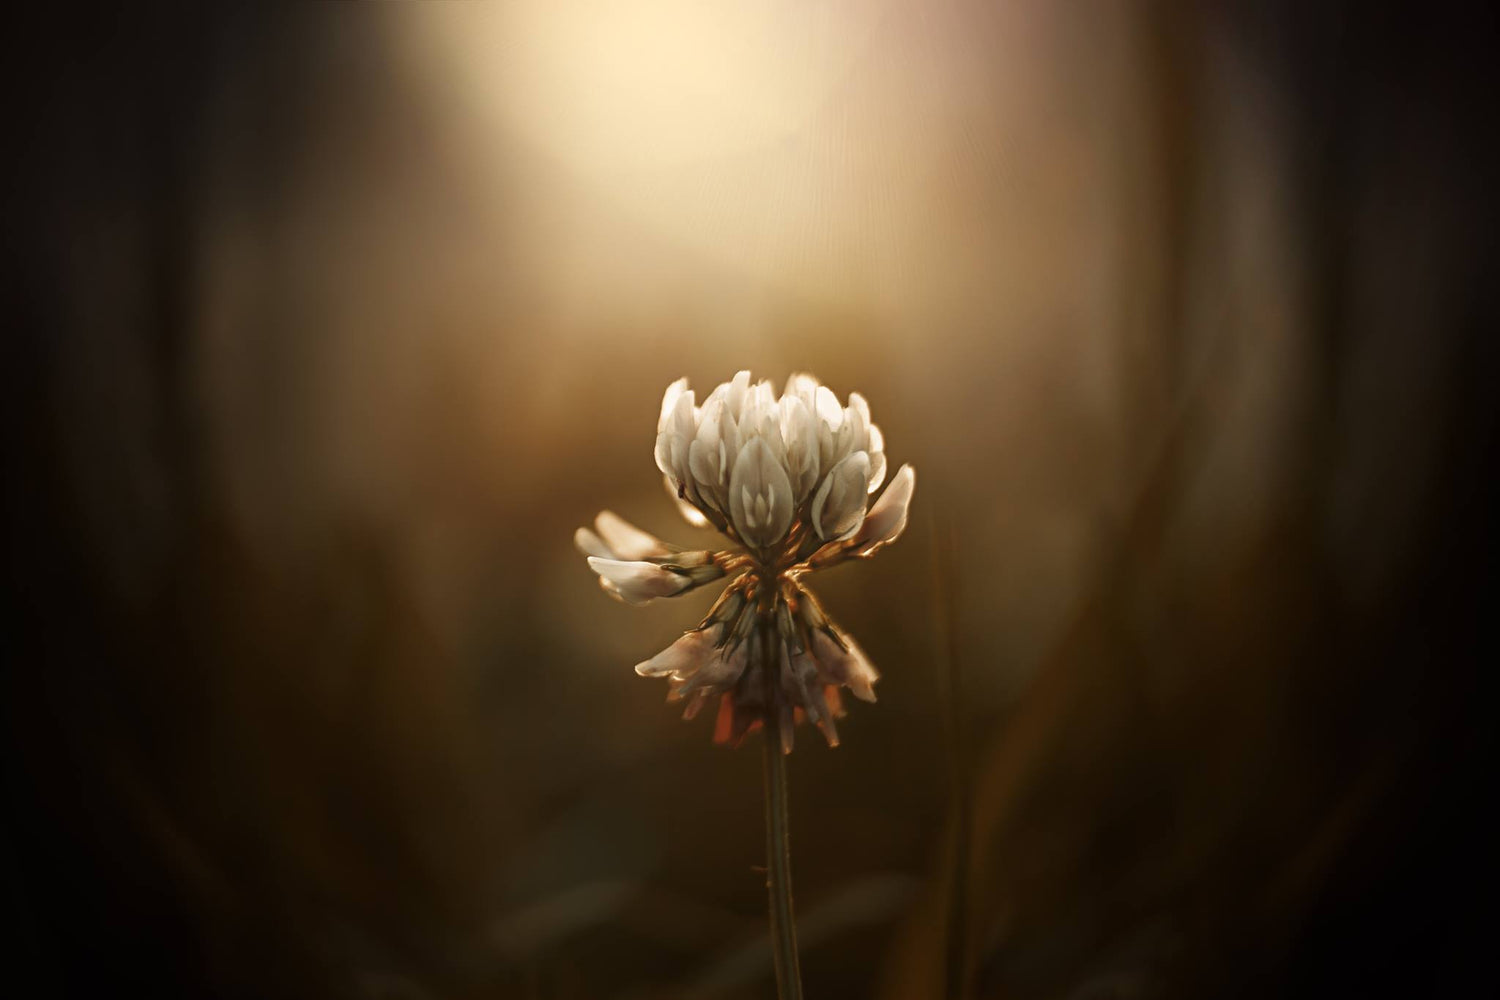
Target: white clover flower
x=788 y=480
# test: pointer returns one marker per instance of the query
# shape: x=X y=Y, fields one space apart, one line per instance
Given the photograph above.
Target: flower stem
x=778 y=844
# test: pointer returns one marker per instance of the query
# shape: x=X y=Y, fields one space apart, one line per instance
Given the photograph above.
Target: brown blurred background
x=327 y=326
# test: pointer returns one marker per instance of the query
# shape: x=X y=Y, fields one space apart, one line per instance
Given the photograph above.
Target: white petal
x=706 y=453
x=877 y=470
x=591 y=544
x=669 y=400
x=638 y=582
x=734 y=398
x=859 y=410
x=877 y=458
x=831 y=446
x=839 y=507
x=804 y=387
x=664 y=453
x=760 y=484
x=800 y=437
x=625 y=540
x=828 y=408
x=679 y=427
x=887 y=517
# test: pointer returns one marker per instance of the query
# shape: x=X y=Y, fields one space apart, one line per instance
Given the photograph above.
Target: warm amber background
x=330 y=325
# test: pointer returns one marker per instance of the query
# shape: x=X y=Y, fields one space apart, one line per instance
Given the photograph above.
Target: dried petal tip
x=846 y=665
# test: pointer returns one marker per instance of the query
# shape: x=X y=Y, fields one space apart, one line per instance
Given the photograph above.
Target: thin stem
x=950 y=681
x=778 y=844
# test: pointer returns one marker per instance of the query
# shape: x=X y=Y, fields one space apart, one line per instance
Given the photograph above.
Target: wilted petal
x=625 y=540
x=715 y=671
x=887 y=518
x=848 y=666
x=638 y=582
x=684 y=656
x=760 y=495
x=838 y=509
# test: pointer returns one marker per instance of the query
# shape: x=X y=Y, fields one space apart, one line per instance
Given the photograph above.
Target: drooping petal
x=638 y=582
x=887 y=518
x=838 y=509
x=719 y=670
x=626 y=541
x=847 y=666
x=683 y=657
x=760 y=495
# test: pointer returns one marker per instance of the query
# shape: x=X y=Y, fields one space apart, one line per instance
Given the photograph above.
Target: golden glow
x=610 y=86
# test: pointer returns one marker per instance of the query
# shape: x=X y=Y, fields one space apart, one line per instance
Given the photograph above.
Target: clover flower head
x=787 y=480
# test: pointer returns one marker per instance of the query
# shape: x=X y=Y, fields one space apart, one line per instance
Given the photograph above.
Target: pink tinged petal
x=683 y=657
x=695 y=704
x=887 y=518
x=838 y=509
x=626 y=541
x=638 y=582
x=760 y=495
x=716 y=672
